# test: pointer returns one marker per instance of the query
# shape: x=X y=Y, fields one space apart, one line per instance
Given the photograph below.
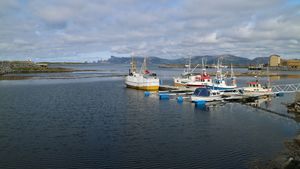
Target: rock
x=297 y=140
x=293 y=164
x=5 y=67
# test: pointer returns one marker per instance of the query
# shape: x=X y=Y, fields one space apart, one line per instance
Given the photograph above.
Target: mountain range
x=209 y=59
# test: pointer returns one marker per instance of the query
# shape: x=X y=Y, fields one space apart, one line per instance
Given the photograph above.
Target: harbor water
x=96 y=122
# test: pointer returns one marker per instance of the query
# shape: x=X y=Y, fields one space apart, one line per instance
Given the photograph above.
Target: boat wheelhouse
x=256 y=89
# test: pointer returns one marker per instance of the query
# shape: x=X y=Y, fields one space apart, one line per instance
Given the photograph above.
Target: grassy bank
x=8 y=67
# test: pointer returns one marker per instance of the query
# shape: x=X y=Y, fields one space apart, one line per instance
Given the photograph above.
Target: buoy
x=180 y=99
x=200 y=102
x=164 y=96
x=147 y=93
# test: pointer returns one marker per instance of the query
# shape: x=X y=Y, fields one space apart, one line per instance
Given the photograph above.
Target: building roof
x=274 y=56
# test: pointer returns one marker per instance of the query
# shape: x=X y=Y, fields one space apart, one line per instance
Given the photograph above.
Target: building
x=274 y=61
x=293 y=64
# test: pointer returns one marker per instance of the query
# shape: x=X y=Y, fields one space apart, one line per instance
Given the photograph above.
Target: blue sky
x=80 y=30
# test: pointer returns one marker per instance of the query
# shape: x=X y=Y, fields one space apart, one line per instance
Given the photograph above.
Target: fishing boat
x=142 y=80
x=219 y=82
x=187 y=76
x=255 y=88
x=207 y=95
x=201 y=80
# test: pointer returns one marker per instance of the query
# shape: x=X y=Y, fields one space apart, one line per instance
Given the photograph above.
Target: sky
x=87 y=30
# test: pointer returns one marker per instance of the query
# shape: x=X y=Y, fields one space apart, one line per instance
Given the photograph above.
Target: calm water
x=97 y=123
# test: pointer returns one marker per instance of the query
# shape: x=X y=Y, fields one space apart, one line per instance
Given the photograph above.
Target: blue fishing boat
x=219 y=82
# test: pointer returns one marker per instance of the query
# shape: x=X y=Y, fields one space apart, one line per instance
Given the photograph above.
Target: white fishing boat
x=142 y=80
x=201 y=80
x=205 y=94
x=190 y=79
x=186 y=76
x=255 y=88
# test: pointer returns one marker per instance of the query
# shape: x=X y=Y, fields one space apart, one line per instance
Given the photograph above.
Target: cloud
x=60 y=29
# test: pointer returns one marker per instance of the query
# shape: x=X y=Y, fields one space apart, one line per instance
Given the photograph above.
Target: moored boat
x=191 y=79
x=205 y=94
x=219 y=82
x=256 y=89
x=142 y=80
x=202 y=80
x=186 y=76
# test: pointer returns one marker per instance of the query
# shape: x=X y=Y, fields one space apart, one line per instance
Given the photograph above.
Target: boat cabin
x=206 y=92
x=254 y=84
x=203 y=78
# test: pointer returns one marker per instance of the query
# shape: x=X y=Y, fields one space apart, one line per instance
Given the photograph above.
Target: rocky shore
x=289 y=158
x=295 y=106
x=7 y=67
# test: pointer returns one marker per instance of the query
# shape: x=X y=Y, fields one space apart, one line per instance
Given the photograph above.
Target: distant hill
x=260 y=60
x=209 y=59
x=150 y=60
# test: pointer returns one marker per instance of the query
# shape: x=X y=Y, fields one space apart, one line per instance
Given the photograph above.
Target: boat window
x=202 y=92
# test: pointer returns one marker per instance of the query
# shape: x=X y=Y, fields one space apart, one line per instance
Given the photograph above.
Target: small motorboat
x=207 y=95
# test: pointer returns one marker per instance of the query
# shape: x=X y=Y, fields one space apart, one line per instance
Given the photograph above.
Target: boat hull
x=146 y=88
x=221 y=87
x=140 y=82
x=195 y=85
x=179 y=84
x=207 y=99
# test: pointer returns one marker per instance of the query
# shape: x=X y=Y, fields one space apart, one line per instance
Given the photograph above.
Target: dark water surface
x=97 y=123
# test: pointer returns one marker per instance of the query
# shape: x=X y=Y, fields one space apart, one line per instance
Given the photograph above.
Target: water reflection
x=261 y=102
x=209 y=106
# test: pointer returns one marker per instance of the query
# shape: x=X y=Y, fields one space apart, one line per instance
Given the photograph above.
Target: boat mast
x=269 y=80
x=203 y=67
x=133 y=65
x=232 y=73
x=190 y=62
x=232 y=76
x=219 y=71
x=144 y=66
